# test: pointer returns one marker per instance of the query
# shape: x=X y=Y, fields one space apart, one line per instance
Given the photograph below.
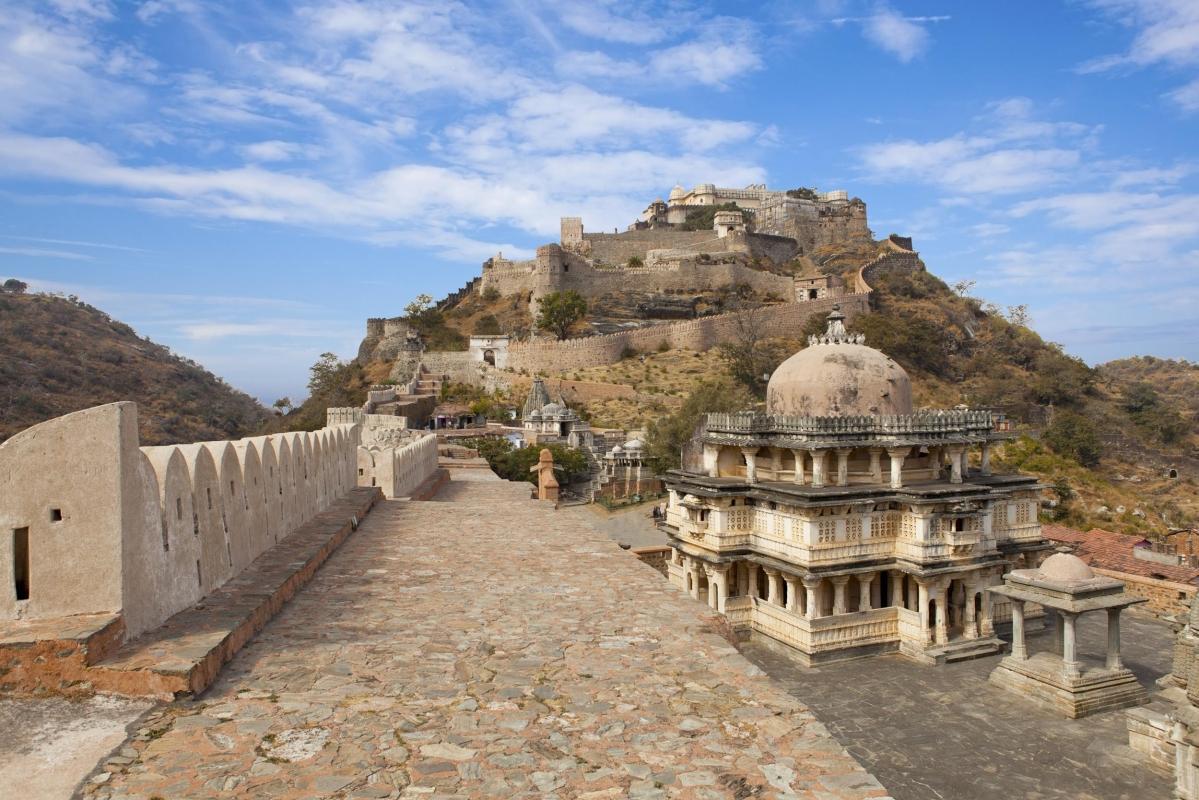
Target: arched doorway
x=489 y=357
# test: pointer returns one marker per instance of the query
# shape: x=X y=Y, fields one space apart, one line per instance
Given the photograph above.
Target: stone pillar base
x=1039 y=679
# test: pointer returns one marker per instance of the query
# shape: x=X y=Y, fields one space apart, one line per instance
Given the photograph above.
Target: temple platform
x=1040 y=678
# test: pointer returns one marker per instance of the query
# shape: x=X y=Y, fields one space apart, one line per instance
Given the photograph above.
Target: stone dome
x=677 y=193
x=633 y=444
x=1066 y=567
x=838 y=375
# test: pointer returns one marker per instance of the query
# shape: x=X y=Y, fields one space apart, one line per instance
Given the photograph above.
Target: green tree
x=559 y=311
x=666 y=436
x=282 y=405
x=14 y=286
x=1072 y=435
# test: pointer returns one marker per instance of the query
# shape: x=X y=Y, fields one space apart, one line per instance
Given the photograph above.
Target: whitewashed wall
x=398 y=471
x=148 y=531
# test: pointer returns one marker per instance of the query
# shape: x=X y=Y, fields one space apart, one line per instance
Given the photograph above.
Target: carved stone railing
x=935 y=424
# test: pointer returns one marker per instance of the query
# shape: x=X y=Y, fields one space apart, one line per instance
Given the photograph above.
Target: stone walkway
x=487 y=646
x=945 y=732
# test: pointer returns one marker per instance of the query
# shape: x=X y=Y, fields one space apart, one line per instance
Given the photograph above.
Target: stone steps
x=965 y=650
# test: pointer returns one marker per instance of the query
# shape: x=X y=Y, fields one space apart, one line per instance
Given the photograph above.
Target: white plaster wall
x=76 y=464
x=150 y=531
x=398 y=471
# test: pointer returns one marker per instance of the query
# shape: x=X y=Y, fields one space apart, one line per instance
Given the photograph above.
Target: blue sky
x=246 y=182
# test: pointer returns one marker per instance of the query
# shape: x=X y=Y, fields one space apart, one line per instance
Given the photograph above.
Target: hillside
x=59 y=355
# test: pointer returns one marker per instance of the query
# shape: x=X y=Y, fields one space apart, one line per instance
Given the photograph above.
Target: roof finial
x=836 y=333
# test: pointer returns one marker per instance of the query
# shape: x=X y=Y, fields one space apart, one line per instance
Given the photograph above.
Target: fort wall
x=785 y=320
x=92 y=523
x=398 y=471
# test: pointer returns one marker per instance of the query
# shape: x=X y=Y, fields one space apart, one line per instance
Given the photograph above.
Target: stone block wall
x=888 y=263
x=1164 y=598
x=148 y=531
x=785 y=320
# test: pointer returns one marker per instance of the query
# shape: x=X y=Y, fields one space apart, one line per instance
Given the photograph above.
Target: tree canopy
x=559 y=311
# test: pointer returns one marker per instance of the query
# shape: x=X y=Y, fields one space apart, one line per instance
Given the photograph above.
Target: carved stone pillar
x=897 y=454
x=752 y=573
x=839 y=583
x=1071 y=666
x=811 y=601
x=876 y=467
x=799 y=466
x=970 y=626
x=1019 y=651
x=864 y=583
x=772 y=596
x=985 y=464
x=792 y=593
x=942 y=615
x=955 y=463
x=934 y=463
x=818 y=457
x=719 y=576
x=751 y=466
x=1113 y=638
x=897 y=598
x=843 y=466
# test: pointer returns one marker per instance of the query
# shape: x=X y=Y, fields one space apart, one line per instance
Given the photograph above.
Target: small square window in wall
x=56 y=515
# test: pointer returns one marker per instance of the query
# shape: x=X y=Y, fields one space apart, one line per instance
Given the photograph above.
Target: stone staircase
x=427 y=383
x=964 y=650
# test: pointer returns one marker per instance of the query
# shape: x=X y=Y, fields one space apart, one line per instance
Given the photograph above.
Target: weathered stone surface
x=487 y=646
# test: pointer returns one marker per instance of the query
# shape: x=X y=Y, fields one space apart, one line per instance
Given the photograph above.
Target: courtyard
x=945 y=732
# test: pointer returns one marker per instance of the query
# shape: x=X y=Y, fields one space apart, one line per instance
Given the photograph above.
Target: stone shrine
x=1061 y=680
x=797 y=531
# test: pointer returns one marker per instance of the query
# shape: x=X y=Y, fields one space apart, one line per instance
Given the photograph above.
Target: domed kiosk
x=837 y=374
x=1062 y=680
x=842 y=522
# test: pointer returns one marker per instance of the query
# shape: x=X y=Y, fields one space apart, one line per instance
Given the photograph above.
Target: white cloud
x=276 y=150
x=600 y=19
x=898 y=35
x=37 y=252
x=1167 y=33
x=988 y=230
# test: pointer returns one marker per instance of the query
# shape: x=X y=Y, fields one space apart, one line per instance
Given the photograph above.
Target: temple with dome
x=842 y=523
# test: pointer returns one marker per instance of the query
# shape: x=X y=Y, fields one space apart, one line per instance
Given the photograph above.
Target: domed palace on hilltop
x=843 y=523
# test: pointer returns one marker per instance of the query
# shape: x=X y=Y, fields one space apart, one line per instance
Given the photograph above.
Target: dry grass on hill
x=58 y=355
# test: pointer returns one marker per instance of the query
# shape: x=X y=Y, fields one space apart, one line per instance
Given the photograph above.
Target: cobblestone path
x=483 y=645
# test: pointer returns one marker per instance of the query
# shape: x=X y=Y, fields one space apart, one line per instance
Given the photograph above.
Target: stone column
x=955 y=463
x=934 y=463
x=752 y=572
x=1113 y=638
x=986 y=626
x=811 y=601
x=876 y=467
x=897 y=454
x=776 y=462
x=799 y=467
x=897 y=597
x=1059 y=629
x=693 y=571
x=913 y=595
x=843 y=466
x=792 y=593
x=818 y=468
x=925 y=622
x=772 y=596
x=720 y=574
x=942 y=615
x=985 y=465
x=864 y=583
x=839 y=593
x=1071 y=667
x=712 y=597
x=751 y=465
x=970 y=628
x=1018 y=649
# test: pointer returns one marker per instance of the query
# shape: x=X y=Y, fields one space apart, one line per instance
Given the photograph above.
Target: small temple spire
x=835 y=333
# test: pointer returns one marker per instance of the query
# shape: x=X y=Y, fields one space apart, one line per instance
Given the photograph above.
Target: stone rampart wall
x=785 y=320
x=148 y=531
x=398 y=471
x=618 y=248
x=888 y=263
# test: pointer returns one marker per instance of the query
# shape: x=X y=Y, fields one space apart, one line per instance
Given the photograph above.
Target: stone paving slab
x=945 y=732
x=484 y=645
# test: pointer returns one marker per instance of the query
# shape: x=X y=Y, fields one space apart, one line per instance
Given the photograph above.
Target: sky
x=247 y=182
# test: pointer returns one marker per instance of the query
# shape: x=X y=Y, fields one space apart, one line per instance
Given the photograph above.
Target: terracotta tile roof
x=1108 y=550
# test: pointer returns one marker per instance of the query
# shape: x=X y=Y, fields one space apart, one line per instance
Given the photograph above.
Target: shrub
x=634 y=262
x=491 y=294
x=1072 y=435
